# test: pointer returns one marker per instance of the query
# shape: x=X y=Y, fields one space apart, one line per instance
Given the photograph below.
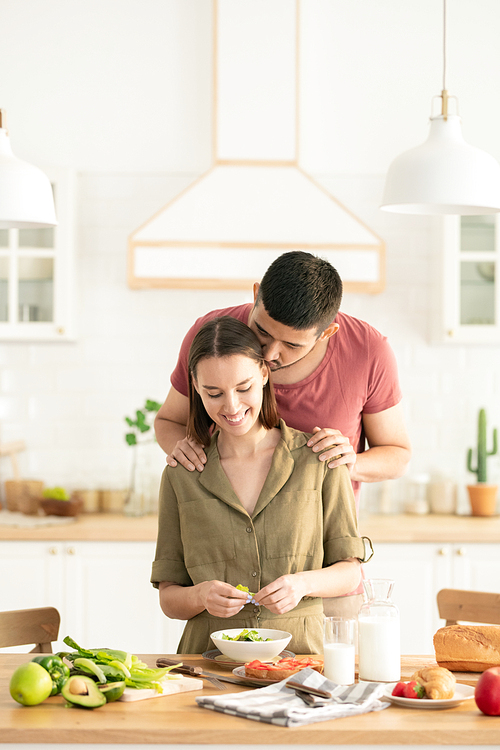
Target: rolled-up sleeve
x=340 y=527
x=169 y=559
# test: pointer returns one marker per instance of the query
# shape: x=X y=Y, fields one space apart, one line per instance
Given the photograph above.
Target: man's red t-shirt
x=358 y=375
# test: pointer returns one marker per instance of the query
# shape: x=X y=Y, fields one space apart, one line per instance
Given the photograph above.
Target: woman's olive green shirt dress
x=304 y=519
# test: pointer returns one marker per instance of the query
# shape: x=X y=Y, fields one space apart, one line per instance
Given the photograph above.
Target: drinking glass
x=338 y=650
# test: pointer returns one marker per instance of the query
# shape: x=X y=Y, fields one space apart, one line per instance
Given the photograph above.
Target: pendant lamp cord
x=444 y=45
x=444 y=92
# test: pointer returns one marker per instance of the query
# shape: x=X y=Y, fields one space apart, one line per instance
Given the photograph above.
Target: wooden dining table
x=177 y=720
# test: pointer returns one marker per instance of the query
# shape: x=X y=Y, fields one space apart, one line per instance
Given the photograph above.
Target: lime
x=30 y=684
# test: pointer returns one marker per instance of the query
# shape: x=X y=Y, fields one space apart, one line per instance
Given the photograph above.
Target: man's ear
x=330 y=331
x=256 y=288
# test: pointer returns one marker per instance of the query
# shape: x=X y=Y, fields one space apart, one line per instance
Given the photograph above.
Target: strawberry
x=414 y=690
x=399 y=689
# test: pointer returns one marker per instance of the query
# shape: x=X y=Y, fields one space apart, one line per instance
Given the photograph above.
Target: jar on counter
x=90 y=499
x=417 y=501
x=385 y=499
x=112 y=501
x=379 y=634
x=442 y=495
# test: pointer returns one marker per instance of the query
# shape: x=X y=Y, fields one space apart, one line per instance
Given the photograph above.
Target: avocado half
x=82 y=691
x=112 y=690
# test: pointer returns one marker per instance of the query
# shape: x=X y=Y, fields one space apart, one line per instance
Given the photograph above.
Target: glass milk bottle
x=379 y=634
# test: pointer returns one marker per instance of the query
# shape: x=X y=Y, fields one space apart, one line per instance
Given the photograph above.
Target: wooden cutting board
x=170 y=687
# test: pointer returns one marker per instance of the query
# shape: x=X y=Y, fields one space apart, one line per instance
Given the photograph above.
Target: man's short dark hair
x=301 y=291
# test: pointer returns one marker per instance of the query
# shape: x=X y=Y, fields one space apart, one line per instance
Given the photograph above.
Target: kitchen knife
x=196 y=671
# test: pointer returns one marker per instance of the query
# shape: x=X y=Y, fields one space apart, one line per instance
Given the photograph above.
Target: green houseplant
x=141 y=437
x=142 y=422
x=482 y=496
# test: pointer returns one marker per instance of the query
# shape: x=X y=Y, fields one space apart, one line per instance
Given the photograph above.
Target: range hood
x=256 y=201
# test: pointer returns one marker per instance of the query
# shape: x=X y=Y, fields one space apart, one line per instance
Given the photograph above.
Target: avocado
x=82 y=691
x=112 y=690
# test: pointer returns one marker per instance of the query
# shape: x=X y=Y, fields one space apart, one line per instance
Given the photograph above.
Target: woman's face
x=231 y=391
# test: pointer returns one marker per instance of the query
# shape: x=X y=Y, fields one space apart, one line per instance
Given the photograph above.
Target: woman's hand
x=221 y=599
x=283 y=594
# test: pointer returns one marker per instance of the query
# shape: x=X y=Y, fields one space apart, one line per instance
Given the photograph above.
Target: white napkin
x=279 y=704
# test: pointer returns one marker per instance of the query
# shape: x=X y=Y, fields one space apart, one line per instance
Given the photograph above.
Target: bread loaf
x=468 y=648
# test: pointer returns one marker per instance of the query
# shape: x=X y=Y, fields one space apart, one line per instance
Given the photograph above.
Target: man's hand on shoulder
x=333 y=447
x=189 y=454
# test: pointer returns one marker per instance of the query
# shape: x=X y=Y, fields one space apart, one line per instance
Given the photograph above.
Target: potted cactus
x=482 y=496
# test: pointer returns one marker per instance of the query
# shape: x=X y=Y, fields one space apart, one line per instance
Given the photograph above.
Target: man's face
x=282 y=346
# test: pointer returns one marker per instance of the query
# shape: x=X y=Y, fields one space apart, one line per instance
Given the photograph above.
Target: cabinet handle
x=443 y=551
x=70 y=551
x=461 y=552
x=52 y=550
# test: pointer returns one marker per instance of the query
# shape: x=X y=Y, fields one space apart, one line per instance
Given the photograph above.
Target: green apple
x=30 y=684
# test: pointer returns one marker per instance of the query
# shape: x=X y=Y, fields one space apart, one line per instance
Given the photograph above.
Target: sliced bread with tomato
x=281 y=669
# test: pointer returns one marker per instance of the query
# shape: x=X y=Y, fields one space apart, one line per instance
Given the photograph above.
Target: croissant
x=437 y=682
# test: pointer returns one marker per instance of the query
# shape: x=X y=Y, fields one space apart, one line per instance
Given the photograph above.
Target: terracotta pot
x=483 y=498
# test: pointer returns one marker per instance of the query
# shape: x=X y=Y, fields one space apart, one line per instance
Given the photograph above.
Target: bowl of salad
x=246 y=645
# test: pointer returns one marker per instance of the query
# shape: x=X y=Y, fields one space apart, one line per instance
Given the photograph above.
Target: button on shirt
x=304 y=519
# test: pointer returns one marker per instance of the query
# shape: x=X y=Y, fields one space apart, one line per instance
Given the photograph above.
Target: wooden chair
x=24 y=626
x=468 y=606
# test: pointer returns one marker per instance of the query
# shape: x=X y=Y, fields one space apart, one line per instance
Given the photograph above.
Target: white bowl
x=244 y=651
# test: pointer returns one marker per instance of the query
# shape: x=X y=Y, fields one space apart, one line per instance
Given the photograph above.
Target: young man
x=333 y=375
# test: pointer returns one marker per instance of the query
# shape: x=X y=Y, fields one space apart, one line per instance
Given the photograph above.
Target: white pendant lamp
x=444 y=175
x=26 y=198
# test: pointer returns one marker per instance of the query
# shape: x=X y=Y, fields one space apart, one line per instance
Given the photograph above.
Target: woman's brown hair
x=223 y=337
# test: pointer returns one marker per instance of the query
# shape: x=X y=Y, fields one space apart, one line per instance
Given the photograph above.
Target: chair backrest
x=24 y=626
x=468 y=606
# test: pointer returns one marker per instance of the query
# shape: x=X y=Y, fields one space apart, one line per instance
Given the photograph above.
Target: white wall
x=119 y=90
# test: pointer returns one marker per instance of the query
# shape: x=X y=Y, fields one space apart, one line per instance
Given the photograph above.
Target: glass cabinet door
x=36 y=290
x=470 y=288
x=4 y=275
x=477 y=273
x=36 y=274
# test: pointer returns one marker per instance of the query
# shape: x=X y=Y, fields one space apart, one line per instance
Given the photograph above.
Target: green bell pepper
x=57 y=669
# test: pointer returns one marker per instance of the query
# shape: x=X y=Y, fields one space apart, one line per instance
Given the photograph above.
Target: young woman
x=264 y=513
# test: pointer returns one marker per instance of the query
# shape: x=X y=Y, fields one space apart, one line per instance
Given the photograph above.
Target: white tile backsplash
x=69 y=400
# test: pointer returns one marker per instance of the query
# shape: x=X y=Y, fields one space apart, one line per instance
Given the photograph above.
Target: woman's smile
x=231 y=390
x=237 y=419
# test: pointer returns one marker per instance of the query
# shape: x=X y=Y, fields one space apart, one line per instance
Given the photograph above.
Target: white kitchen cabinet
x=30 y=575
x=36 y=273
x=470 y=280
x=101 y=590
x=476 y=567
x=420 y=571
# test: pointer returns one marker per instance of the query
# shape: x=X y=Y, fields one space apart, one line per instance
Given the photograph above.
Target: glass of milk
x=379 y=634
x=338 y=650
